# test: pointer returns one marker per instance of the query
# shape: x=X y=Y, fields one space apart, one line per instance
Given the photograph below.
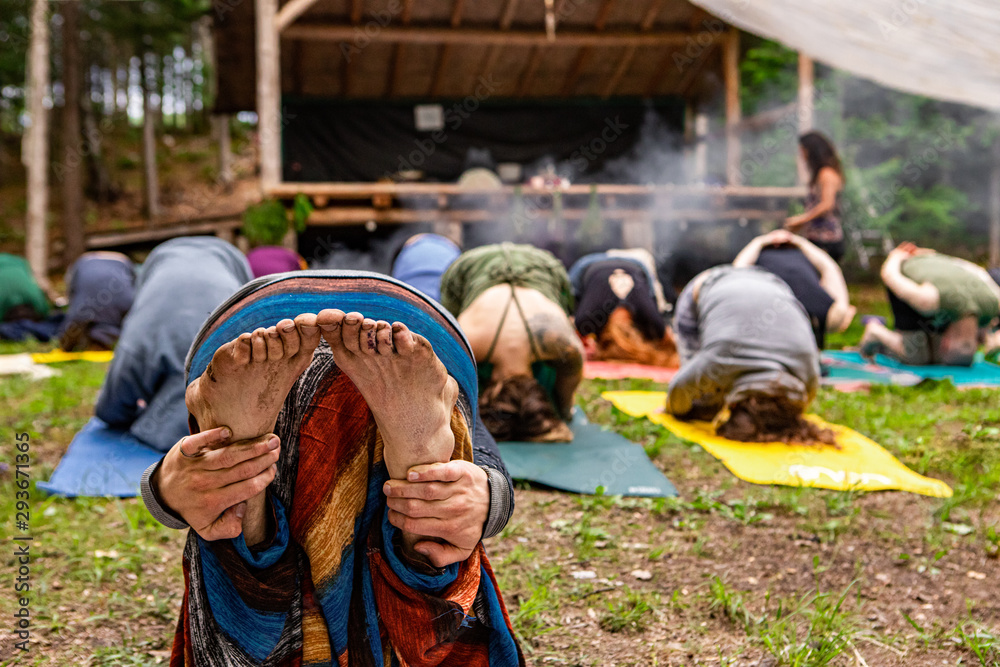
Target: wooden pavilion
x=406 y=52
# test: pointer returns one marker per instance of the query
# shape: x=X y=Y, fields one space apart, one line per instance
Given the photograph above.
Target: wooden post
x=995 y=208
x=731 y=74
x=807 y=93
x=72 y=162
x=221 y=123
x=149 y=170
x=700 y=147
x=36 y=145
x=268 y=94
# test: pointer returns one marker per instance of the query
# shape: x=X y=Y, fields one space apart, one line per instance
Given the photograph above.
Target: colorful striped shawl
x=332 y=586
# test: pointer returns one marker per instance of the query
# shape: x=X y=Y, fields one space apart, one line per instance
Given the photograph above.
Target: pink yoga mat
x=608 y=370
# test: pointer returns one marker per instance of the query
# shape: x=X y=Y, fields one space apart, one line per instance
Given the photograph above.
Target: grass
x=727 y=574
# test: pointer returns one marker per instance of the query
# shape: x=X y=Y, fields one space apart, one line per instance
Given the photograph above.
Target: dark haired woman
x=513 y=303
x=820 y=223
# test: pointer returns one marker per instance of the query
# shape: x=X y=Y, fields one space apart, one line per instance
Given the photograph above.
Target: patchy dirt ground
x=729 y=573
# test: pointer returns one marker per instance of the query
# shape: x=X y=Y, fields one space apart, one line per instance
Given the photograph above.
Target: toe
x=402 y=339
x=422 y=346
x=367 y=340
x=275 y=349
x=289 y=337
x=241 y=351
x=258 y=343
x=351 y=332
x=383 y=337
x=308 y=331
x=329 y=321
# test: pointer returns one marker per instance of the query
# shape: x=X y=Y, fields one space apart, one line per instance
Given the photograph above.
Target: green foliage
x=302 y=208
x=768 y=71
x=914 y=167
x=265 y=223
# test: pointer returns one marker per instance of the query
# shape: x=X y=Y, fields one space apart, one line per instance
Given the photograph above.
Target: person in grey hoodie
x=745 y=342
x=178 y=287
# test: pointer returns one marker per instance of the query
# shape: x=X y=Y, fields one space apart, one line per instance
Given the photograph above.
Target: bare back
x=494 y=320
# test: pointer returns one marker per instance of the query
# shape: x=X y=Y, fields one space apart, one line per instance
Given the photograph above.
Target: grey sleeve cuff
x=154 y=504
x=501 y=507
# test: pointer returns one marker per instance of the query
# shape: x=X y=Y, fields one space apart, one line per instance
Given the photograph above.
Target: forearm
x=924 y=298
x=831 y=278
x=749 y=255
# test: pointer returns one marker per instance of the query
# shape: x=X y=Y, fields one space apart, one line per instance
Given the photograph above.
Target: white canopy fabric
x=946 y=49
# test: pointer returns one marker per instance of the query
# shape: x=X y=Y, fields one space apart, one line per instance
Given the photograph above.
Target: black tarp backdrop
x=366 y=141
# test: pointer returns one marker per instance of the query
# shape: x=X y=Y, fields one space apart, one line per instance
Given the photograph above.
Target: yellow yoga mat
x=860 y=464
x=57 y=356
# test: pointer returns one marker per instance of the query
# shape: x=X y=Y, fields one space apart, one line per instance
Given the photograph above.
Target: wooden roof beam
x=506 y=18
x=293 y=10
x=623 y=65
x=529 y=72
x=445 y=55
x=584 y=54
x=396 y=62
x=524 y=38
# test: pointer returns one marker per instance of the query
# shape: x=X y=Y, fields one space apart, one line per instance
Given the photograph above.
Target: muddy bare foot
x=248 y=379
x=405 y=385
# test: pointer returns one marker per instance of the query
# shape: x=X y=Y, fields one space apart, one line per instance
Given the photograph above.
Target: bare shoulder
x=828 y=176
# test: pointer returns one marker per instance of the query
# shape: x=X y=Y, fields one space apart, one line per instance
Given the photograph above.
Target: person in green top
x=21 y=298
x=943 y=307
x=513 y=302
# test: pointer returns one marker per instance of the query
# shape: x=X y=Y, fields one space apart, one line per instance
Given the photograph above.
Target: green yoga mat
x=596 y=457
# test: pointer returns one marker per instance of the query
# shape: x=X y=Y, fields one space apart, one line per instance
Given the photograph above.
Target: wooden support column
x=807 y=93
x=268 y=94
x=225 y=166
x=731 y=74
x=701 y=147
x=995 y=208
x=36 y=145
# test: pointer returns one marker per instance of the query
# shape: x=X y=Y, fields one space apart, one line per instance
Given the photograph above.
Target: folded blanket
x=858 y=464
x=332 y=586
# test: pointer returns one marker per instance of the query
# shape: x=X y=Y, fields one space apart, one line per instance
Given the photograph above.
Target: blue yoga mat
x=101 y=461
x=596 y=457
x=852 y=366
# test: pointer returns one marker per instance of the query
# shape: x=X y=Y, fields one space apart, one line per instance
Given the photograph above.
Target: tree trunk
x=151 y=200
x=36 y=145
x=72 y=177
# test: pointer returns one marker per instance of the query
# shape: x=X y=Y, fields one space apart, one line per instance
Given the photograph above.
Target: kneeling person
x=814 y=277
x=529 y=362
x=942 y=307
x=618 y=310
x=745 y=344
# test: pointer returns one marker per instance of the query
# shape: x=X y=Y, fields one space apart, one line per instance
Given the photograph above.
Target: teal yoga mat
x=596 y=457
x=852 y=366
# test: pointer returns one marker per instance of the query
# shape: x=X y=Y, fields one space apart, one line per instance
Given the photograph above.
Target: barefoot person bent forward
x=513 y=303
x=746 y=345
x=309 y=565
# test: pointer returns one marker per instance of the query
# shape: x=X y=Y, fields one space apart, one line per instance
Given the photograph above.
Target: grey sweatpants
x=746 y=333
